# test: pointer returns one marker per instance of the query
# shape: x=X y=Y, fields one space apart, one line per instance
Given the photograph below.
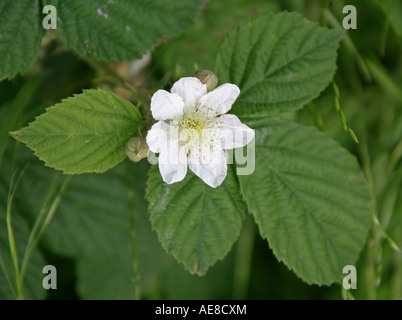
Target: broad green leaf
x=20 y=36
x=84 y=133
x=32 y=288
x=118 y=30
x=309 y=199
x=195 y=223
x=280 y=62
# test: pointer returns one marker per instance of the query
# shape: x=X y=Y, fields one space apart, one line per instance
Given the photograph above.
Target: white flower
x=193 y=130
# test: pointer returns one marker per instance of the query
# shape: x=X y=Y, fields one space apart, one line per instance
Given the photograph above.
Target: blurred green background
x=90 y=237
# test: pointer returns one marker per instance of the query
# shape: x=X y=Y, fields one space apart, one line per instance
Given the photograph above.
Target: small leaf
x=195 y=223
x=84 y=133
x=121 y=30
x=309 y=199
x=280 y=62
x=20 y=36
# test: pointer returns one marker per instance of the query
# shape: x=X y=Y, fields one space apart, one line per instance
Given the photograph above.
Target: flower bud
x=136 y=149
x=207 y=77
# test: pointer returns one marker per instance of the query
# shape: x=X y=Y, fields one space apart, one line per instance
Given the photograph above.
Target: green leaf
x=280 y=62
x=20 y=36
x=121 y=29
x=309 y=199
x=195 y=223
x=84 y=133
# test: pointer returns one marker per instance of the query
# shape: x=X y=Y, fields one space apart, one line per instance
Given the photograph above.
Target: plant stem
x=319 y=123
x=243 y=261
x=134 y=259
x=11 y=239
x=40 y=227
x=373 y=244
x=349 y=44
x=8 y=276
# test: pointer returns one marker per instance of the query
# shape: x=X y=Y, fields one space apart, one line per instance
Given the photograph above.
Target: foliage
x=317 y=198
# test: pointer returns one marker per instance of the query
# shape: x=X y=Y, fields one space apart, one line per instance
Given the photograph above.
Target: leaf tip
x=353 y=135
x=196 y=271
x=15 y=134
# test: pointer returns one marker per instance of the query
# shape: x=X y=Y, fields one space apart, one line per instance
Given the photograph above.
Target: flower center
x=191 y=122
x=195 y=119
x=193 y=128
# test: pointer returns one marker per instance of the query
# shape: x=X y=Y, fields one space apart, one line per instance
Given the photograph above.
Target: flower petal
x=211 y=169
x=172 y=163
x=158 y=137
x=190 y=90
x=232 y=132
x=220 y=100
x=166 y=105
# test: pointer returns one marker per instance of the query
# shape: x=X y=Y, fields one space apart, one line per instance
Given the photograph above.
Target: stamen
x=192 y=124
